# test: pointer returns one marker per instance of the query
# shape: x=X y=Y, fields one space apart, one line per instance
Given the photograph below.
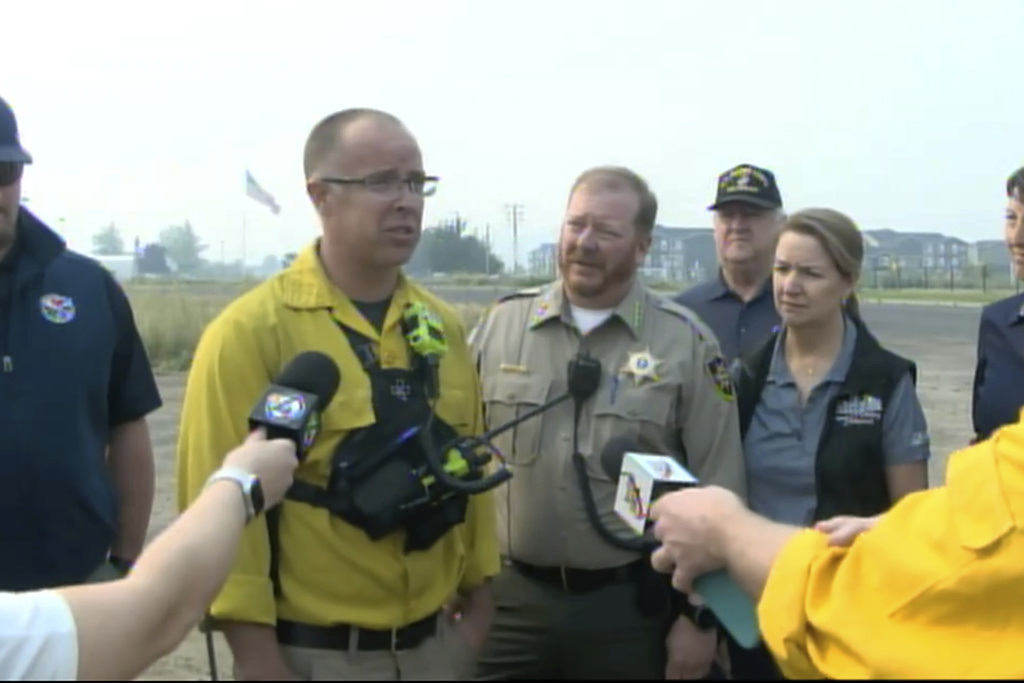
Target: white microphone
x=645 y=477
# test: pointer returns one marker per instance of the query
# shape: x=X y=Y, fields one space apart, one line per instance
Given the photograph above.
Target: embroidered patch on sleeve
x=721 y=378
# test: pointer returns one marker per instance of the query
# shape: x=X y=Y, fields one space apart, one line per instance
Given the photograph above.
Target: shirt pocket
x=640 y=413
x=457 y=408
x=348 y=411
x=507 y=396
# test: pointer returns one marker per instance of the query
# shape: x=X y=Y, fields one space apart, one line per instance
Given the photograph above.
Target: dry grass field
x=940 y=339
x=172 y=317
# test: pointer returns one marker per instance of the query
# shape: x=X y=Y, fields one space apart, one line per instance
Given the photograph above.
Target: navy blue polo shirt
x=72 y=367
x=742 y=327
x=998 y=392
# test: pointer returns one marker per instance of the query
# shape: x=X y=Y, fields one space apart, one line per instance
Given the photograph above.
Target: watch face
x=705 y=619
x=256 y=494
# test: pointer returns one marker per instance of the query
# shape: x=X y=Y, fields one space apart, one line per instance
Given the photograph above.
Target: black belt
x=340 y=637
x=573 y=580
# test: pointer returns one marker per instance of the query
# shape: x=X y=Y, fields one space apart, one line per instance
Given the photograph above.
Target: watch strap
x=702 y=617
x=245 y=481
x=120 y=564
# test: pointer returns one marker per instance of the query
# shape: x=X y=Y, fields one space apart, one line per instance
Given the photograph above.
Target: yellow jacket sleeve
x=228 y=376
x=933 y=591
x=481 y=533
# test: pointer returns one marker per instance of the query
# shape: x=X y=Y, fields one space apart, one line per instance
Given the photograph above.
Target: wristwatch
x=122 y=565
x=252 y=490
x=704 y=618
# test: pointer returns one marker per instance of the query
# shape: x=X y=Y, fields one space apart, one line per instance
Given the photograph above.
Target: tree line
x=450 y=246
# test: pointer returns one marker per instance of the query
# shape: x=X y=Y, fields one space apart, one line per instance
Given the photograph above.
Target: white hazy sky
x=903 y=113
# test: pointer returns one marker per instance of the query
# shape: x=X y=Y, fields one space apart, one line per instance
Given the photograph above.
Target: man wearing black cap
x=738 y=305
x=76 y=464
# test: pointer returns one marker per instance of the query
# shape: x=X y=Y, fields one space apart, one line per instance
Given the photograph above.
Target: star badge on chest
x=641 y=365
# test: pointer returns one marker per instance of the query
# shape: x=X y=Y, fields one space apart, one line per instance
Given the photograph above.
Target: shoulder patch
x=721 y=378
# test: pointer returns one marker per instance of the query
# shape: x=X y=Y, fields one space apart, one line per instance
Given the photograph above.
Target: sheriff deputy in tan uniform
x=567 y=600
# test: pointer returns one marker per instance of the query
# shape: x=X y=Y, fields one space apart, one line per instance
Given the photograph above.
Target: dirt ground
x=940 y=340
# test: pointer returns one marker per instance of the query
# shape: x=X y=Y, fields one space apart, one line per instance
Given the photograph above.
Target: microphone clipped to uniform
x=291 y=407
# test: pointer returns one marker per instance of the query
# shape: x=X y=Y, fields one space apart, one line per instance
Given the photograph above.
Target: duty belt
x=343 y=637
x=577 y=581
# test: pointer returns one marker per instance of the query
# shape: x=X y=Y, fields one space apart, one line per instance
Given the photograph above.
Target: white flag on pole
x=255 y=191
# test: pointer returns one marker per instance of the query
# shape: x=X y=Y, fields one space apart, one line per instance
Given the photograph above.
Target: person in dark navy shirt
x=76 y=463
x=998 y=394
x=738 y=305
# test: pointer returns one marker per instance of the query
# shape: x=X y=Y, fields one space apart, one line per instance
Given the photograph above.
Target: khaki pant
x=445 y=657
x=541 y=632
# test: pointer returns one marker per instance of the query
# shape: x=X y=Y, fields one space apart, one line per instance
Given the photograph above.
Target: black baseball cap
x=11 y=150
x=747 y=184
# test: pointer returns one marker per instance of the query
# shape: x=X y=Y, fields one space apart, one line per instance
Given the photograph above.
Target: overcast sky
x=904 y=114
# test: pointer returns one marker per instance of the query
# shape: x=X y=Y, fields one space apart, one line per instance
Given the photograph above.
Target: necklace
x=808 y=370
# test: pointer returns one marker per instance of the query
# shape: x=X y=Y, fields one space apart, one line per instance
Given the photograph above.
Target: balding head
x=365 y=177
x=324 y=140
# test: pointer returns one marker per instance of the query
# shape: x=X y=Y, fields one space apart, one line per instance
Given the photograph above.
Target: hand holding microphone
x=656 y=490
x=272 y=462
x=291 y=406
x=284 y=423
x=689 y=525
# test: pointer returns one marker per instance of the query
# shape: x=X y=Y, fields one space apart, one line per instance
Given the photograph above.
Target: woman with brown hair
x=998 y=394
x=831 y=421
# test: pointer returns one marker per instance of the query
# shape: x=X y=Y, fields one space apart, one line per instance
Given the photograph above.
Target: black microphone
x=290 y=407
x=614 y=453
x=584 y=377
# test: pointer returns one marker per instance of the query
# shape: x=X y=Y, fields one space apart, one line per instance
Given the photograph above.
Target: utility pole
x=487 y=246
x=515 y=216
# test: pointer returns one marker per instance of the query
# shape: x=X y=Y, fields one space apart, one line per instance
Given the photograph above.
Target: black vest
x=849 y=466
x=370 y=485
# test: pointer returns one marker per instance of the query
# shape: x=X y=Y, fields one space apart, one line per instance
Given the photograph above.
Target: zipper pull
x=8 y=364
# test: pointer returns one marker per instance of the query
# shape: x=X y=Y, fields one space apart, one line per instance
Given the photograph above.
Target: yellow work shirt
x=330 y=571
x=935 y=590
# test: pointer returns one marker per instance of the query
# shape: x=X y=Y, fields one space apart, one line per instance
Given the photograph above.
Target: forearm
x=750 y=544
x=189 y=562
x=479 y=611
x=125 y=626
x=133 y=471
x=256 y=651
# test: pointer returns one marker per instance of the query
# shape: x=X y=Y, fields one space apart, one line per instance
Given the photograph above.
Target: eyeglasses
x=389 y=184
x=10 y=172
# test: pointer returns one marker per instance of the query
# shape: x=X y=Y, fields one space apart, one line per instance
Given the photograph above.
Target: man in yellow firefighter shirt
x=345 y=607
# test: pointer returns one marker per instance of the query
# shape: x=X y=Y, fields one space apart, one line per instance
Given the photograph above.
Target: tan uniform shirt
x=664 y=384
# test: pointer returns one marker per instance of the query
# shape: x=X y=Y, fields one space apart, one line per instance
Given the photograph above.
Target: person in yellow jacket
x=933 y=588
x=348 y=607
